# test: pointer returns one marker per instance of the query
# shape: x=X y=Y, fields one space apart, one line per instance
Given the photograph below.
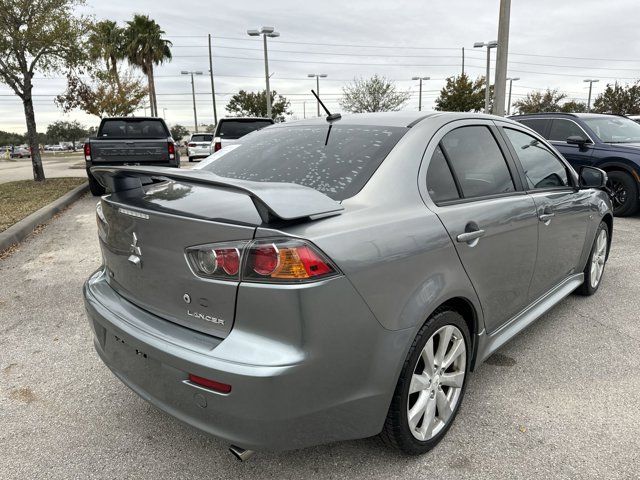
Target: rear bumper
x=323 y=386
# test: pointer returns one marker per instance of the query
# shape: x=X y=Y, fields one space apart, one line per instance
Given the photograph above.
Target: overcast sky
x=347 y=39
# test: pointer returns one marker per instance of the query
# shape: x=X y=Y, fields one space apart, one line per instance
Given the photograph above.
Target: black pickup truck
x=129 y=141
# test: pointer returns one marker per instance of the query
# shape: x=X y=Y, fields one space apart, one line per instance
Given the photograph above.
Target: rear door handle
x=545 y=217
x=468 y=237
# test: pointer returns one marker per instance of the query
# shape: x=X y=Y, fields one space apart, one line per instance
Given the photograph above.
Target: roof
x=566 y=114
x=387 y=119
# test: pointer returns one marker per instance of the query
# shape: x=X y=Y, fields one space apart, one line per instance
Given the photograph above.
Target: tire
x=96 y=189
x=397 y=432
x=599 y=251
x=625 y=193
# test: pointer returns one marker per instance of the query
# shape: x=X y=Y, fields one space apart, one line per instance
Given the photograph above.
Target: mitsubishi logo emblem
x=136 y=252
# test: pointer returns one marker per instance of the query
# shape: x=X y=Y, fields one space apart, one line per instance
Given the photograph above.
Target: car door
x=563 y=128
x=563 y=210
x=475 y=191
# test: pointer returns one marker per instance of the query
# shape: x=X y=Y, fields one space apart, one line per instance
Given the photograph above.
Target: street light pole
x=511 y=80
x=487 y=95
x=265 y=32
x=591 y=81
x=318 y=76
x=213 y=88
x=193 y=94
x=502 y=53
x=420 y=94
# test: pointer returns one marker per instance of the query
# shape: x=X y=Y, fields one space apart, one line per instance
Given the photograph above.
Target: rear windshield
x=202 y=138
x=132 y=128
x=337 y=161
x=233 y=129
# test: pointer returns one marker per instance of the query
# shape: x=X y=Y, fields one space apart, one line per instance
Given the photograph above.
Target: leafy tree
x=104 y=95
x=538 y=101
x=10 y=138
x=146 y=48
x=250 y=104
x=107 y=42
x=178 y=132
x=37 y=36
x=66 y=131
x=211 y=128
x=619 y=100
x=573 y=107
x=375 y=94
x=460 y=94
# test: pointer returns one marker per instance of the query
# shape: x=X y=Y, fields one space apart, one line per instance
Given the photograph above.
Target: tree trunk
x=153 y=86
x=32 y=133
x=114 y=71
x=150 y=86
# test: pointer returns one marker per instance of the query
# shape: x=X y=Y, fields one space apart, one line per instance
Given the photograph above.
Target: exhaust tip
x=240 y=453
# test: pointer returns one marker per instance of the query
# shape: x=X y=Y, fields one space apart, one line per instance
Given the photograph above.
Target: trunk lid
x=156 y=225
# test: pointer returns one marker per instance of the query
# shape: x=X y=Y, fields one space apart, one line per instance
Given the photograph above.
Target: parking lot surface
x=560 y=401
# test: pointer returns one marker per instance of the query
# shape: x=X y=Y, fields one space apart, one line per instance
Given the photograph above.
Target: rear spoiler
x=274 y=201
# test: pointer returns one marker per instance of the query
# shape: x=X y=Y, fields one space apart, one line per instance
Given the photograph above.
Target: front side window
x=477 y=162
x=562 y=129
x=541 y=167
x=337 y=160
x=440 y=183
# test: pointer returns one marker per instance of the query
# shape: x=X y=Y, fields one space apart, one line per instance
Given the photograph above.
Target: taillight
x=217 y=145
x=172 y=150
x=87 y=151
x=280 y=260
x=191 y=145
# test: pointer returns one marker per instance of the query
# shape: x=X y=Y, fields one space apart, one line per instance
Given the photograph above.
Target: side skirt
x=489 y=343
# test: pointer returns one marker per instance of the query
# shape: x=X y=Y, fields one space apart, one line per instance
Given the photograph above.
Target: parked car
x=129 y=141
x=57 y=148
x=229 y=130
x=330 y=281
x=609 y=142
x=21 y=152
x=200 y=146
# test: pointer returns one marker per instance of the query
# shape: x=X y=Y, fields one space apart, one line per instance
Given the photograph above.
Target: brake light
x=217 y=144
x=210 y=384
x=87 y=151
x=172 y=150
x=191 y=145
x=270 y=261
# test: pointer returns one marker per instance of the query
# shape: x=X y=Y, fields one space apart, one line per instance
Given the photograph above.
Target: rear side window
x=563 y=129
x=541 y=167
x=337 y=160
x=202 y=138
x=538 y=125
x=477 y=162
x=234 y=129
x=132 y=128
x=440 y=183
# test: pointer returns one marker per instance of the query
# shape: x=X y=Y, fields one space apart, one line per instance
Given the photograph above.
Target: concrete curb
x=19 y=231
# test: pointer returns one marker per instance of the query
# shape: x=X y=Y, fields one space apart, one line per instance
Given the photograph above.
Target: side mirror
x=577 y=140
x=592 y=177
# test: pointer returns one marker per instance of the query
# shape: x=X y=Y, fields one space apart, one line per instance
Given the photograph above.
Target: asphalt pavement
x=560 y=401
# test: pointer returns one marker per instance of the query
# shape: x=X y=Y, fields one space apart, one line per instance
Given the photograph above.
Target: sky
x=555 y=44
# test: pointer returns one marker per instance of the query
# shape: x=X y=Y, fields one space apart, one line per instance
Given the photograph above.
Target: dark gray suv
x=332 y=280
x=609 y=142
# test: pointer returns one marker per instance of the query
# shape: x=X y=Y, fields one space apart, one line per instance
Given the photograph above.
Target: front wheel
x=624 y=193
x=431 y=385
x=597 y=260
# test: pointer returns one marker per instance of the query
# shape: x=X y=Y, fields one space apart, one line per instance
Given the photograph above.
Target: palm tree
x=146 y=48
x=107 y=42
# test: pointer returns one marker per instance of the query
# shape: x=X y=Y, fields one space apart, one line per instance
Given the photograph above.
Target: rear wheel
x=597 y=260
x=95 y=187
x=624 y=191
x=431 y=385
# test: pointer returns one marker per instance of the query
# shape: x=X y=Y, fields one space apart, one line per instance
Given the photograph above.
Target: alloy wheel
x=436 y=383
x=618 y=194
x=598 y=259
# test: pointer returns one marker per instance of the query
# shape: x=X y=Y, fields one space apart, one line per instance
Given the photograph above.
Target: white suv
x=200 y=146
